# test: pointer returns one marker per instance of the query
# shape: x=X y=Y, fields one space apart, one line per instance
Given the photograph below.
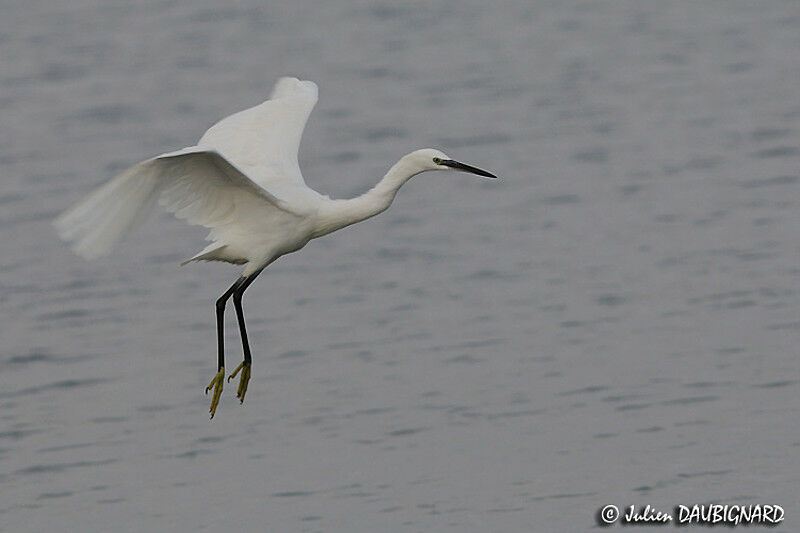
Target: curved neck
x=337 y=214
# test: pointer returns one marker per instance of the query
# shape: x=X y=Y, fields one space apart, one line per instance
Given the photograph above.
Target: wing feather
x=264 y=140
x=238 y=181
x=195 y=184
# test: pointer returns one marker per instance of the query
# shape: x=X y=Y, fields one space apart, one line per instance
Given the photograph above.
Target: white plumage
x=243 y=182
x=223 y=183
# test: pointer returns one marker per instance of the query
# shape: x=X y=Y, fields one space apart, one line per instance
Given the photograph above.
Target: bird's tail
x=103 y=218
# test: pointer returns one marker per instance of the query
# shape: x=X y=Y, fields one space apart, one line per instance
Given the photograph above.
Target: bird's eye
x=437 y=160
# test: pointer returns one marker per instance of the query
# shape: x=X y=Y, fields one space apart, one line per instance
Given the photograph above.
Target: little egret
x=242 y=181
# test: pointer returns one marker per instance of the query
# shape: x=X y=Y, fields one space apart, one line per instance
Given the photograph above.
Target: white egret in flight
x=242 y=181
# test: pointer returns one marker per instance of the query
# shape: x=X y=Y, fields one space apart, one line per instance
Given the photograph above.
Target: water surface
x=614 y=321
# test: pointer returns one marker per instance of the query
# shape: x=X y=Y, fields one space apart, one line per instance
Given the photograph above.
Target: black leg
x=216 y=383
x=244 y=367
x=237 y=303
x=221 y=322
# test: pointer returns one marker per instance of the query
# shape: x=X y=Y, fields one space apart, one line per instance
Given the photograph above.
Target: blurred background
x=614 y=321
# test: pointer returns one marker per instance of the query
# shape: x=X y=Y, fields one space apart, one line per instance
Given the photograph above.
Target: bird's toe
x=244 y=379
x=216 y=385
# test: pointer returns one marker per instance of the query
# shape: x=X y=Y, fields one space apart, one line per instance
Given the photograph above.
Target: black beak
x=466 y=168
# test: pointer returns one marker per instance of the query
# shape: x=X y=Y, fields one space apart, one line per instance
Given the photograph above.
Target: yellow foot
x=216 y=384
x=245 y=368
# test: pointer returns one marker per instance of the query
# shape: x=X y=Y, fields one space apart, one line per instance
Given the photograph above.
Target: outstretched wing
x=196 y=184
x=263 y=141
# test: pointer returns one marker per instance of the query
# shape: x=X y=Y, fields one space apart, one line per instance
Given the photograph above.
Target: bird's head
x=431 y=159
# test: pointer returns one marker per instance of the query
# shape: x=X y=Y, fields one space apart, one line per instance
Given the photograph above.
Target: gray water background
x=614 y=321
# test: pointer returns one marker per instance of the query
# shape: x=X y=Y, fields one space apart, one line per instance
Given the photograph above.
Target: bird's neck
x=337 y=214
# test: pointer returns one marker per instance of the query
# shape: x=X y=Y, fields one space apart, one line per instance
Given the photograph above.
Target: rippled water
x=615 y=321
